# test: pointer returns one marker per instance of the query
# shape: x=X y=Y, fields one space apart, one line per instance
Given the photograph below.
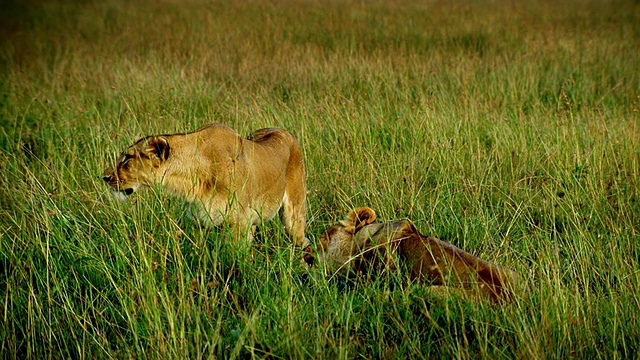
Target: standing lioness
x=358 y=244
x=226 y=178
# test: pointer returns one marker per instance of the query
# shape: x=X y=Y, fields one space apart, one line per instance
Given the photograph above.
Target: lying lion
x=226 y=178
x=358 y=245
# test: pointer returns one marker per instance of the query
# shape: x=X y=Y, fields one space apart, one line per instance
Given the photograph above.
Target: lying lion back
x=442 y=263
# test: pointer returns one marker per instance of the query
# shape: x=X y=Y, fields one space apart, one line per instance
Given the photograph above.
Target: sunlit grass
x=508 y=129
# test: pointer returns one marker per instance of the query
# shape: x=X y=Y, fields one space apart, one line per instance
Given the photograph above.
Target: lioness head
x=137 y=165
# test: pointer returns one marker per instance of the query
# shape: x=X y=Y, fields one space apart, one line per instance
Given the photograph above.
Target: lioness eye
x=126 y=159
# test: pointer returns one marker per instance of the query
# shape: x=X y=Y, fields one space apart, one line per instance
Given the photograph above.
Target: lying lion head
x=347 y=246
x=137 y=165
x=342 y=233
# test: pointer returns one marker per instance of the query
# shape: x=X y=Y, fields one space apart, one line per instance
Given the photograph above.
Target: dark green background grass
x=509 y=129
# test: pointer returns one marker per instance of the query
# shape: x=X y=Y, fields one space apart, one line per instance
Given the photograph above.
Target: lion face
x=137 y=165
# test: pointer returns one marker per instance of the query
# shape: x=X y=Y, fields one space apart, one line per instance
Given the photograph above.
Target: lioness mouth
x=118 y=195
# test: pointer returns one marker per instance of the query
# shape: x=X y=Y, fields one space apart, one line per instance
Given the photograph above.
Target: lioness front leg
x=243 y=232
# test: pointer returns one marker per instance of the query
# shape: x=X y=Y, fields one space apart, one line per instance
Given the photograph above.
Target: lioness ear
x=159 y=146
x=359 y=218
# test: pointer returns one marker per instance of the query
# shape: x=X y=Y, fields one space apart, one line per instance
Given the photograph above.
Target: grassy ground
x=510 y=129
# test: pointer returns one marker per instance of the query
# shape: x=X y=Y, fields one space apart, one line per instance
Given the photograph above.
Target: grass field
x=510 y=129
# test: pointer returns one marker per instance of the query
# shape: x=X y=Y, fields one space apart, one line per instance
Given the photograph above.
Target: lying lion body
x=358 y=245
x=225 y=177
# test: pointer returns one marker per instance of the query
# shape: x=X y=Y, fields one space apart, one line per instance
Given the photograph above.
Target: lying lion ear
x=159 y=146
x=360 y=217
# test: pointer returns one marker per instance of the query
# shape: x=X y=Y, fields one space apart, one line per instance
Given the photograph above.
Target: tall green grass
x=509 y=129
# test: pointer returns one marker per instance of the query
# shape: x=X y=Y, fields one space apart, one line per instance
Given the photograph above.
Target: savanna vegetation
x=510 y=129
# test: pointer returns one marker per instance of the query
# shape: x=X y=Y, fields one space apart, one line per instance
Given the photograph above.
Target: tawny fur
x=225 y=177
x=359 y=245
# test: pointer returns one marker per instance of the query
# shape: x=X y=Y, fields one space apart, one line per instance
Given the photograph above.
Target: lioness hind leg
x=293 y=217
x=295 y=193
